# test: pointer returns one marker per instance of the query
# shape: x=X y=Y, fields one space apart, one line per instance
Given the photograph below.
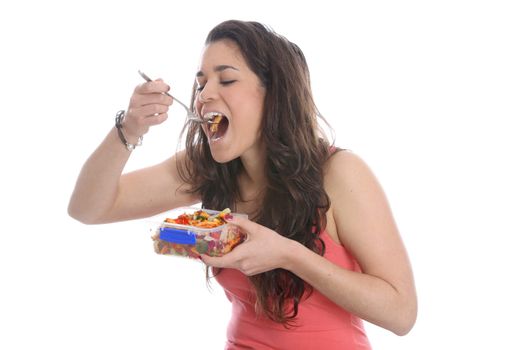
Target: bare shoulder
x=346 y=172
x=360 y=209
x=343 y=163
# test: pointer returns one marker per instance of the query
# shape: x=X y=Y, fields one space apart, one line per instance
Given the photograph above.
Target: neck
x=253 y=179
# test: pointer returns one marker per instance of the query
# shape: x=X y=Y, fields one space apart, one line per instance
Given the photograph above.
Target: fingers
x=151 y=92
x=148 y=106
x=138 y=120
x=246 y=225
x=139 y=99
x=233 y=260
x=157 y=86
x=220 y=262
x=156 y=119
x=150 y=110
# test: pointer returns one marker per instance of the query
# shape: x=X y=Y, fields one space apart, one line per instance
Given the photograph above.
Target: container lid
x=175 y=235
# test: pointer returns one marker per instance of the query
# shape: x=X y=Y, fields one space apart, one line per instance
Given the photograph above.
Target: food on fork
x=215 y=123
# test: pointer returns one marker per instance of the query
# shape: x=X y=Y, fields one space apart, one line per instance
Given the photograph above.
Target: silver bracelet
x=118 y=124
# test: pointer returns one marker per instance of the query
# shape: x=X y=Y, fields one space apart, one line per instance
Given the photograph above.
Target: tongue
x=221 y=129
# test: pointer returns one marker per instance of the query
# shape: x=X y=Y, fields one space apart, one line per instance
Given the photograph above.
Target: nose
x=202 y=98
x=208 y=93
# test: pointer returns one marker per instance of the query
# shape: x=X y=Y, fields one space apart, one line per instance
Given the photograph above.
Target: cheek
x=251 y=106
x=256 y=111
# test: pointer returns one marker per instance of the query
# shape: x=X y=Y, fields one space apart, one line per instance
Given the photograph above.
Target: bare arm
x=102 y=194
x=384 y=293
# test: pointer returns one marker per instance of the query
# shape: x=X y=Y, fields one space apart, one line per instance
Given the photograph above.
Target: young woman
x=323 y=250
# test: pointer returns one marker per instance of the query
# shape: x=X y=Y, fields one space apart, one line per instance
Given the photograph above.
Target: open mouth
x=217 y=126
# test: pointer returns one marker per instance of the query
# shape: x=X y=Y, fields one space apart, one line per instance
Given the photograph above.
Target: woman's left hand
x=263 y=250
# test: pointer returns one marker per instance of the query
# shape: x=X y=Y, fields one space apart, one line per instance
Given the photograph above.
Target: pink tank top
x=321 y=324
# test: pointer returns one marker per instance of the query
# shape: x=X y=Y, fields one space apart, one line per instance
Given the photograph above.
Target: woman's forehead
x=221 y=53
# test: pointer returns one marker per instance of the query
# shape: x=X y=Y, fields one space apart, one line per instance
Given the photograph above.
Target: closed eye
x=223 y=83
x=227 y=82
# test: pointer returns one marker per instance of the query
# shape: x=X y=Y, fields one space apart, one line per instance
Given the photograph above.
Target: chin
x=222 y=157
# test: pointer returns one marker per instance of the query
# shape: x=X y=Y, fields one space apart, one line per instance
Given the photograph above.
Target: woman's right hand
x=148 y=106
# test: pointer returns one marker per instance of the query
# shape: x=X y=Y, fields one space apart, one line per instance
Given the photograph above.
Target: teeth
x=211 y=115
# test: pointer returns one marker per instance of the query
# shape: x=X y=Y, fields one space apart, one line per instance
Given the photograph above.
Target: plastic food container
x=191 y=241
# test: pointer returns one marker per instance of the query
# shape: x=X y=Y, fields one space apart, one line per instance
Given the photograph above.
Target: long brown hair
x=295 y=202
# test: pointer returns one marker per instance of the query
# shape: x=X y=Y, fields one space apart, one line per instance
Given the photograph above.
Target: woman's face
x=227 y=86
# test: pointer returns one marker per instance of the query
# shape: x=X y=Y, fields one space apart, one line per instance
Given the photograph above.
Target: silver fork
x=189 y=114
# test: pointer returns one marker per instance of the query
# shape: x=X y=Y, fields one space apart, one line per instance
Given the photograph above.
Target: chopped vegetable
x=202 y=219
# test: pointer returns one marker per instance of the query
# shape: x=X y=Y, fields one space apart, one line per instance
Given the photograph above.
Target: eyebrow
x=217 y=69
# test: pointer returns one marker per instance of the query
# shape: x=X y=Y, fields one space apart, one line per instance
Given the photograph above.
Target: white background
x=430 y=94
